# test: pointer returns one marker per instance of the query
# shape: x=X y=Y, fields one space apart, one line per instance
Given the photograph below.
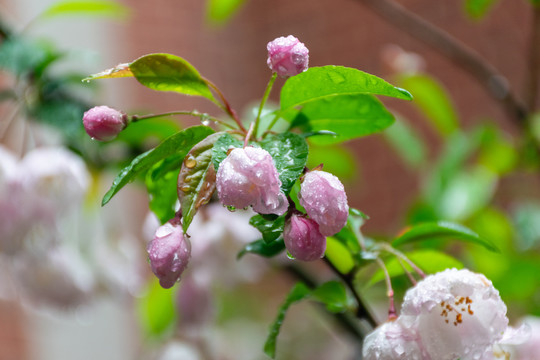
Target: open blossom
x=454 y=314
x=287 y=56
x=324 y=198
x=169 y=254
x=247 y=177
x=458 y=314
x=303 y=239
x=104 y=123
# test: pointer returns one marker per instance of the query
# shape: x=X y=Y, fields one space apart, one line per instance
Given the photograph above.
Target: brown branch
x=347 y=323
x=362 y=311
x=494 y=83
x=531 y=90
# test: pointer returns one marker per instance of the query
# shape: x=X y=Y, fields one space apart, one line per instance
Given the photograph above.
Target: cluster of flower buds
x=248 y=177
x=454 y=314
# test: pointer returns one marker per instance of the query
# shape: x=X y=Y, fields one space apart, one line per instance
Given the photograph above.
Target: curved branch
x=531 y=90
x=494 y=83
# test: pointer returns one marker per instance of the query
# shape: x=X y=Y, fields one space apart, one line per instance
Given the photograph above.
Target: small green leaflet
x=323 y=82
x=271 y=230
x=442 y=230
x=178 y=144
x=333 y=295
x=262 y=248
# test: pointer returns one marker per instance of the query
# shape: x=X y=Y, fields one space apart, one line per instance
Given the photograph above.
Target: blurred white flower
x=57 y=277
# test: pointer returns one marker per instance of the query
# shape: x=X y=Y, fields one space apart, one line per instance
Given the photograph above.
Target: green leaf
x=161 y=183
x=327 y=81
x=298 y=293
x=262 y=248
x=94 y=8
x=442 y=230
x=290 y=152
x=161 y=72
x=178 y=144
x=349 y=116
x=222 y=146
x=155 y=309
x=333 y=295
x=220 y=11
x=339 y=255
x=477 y=9
x=433 y=100
x=197 y=179
x=407 y=143
x=271 y=230
x=166 y=72
x=430 y=261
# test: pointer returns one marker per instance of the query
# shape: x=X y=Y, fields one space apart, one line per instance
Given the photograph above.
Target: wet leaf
x=327 y=81
x=271 y=230
x=178 y=144
x=289 y=152
x=197 y=179
x=442 y=230
x=262 y=248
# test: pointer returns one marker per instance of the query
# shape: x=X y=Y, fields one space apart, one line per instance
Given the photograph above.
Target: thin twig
x=531 y=91
x=404 y=257
x=389 y=290
x=362 y=312
x=228 y=109
x=494 y=83
x=249 y=133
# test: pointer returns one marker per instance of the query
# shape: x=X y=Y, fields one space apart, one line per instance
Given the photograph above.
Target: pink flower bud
x=303 y=239
x=456 y=313
x=287 y=56
x=324 y=198
x=249 y=177
x=169 y=254
x=103 y=123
